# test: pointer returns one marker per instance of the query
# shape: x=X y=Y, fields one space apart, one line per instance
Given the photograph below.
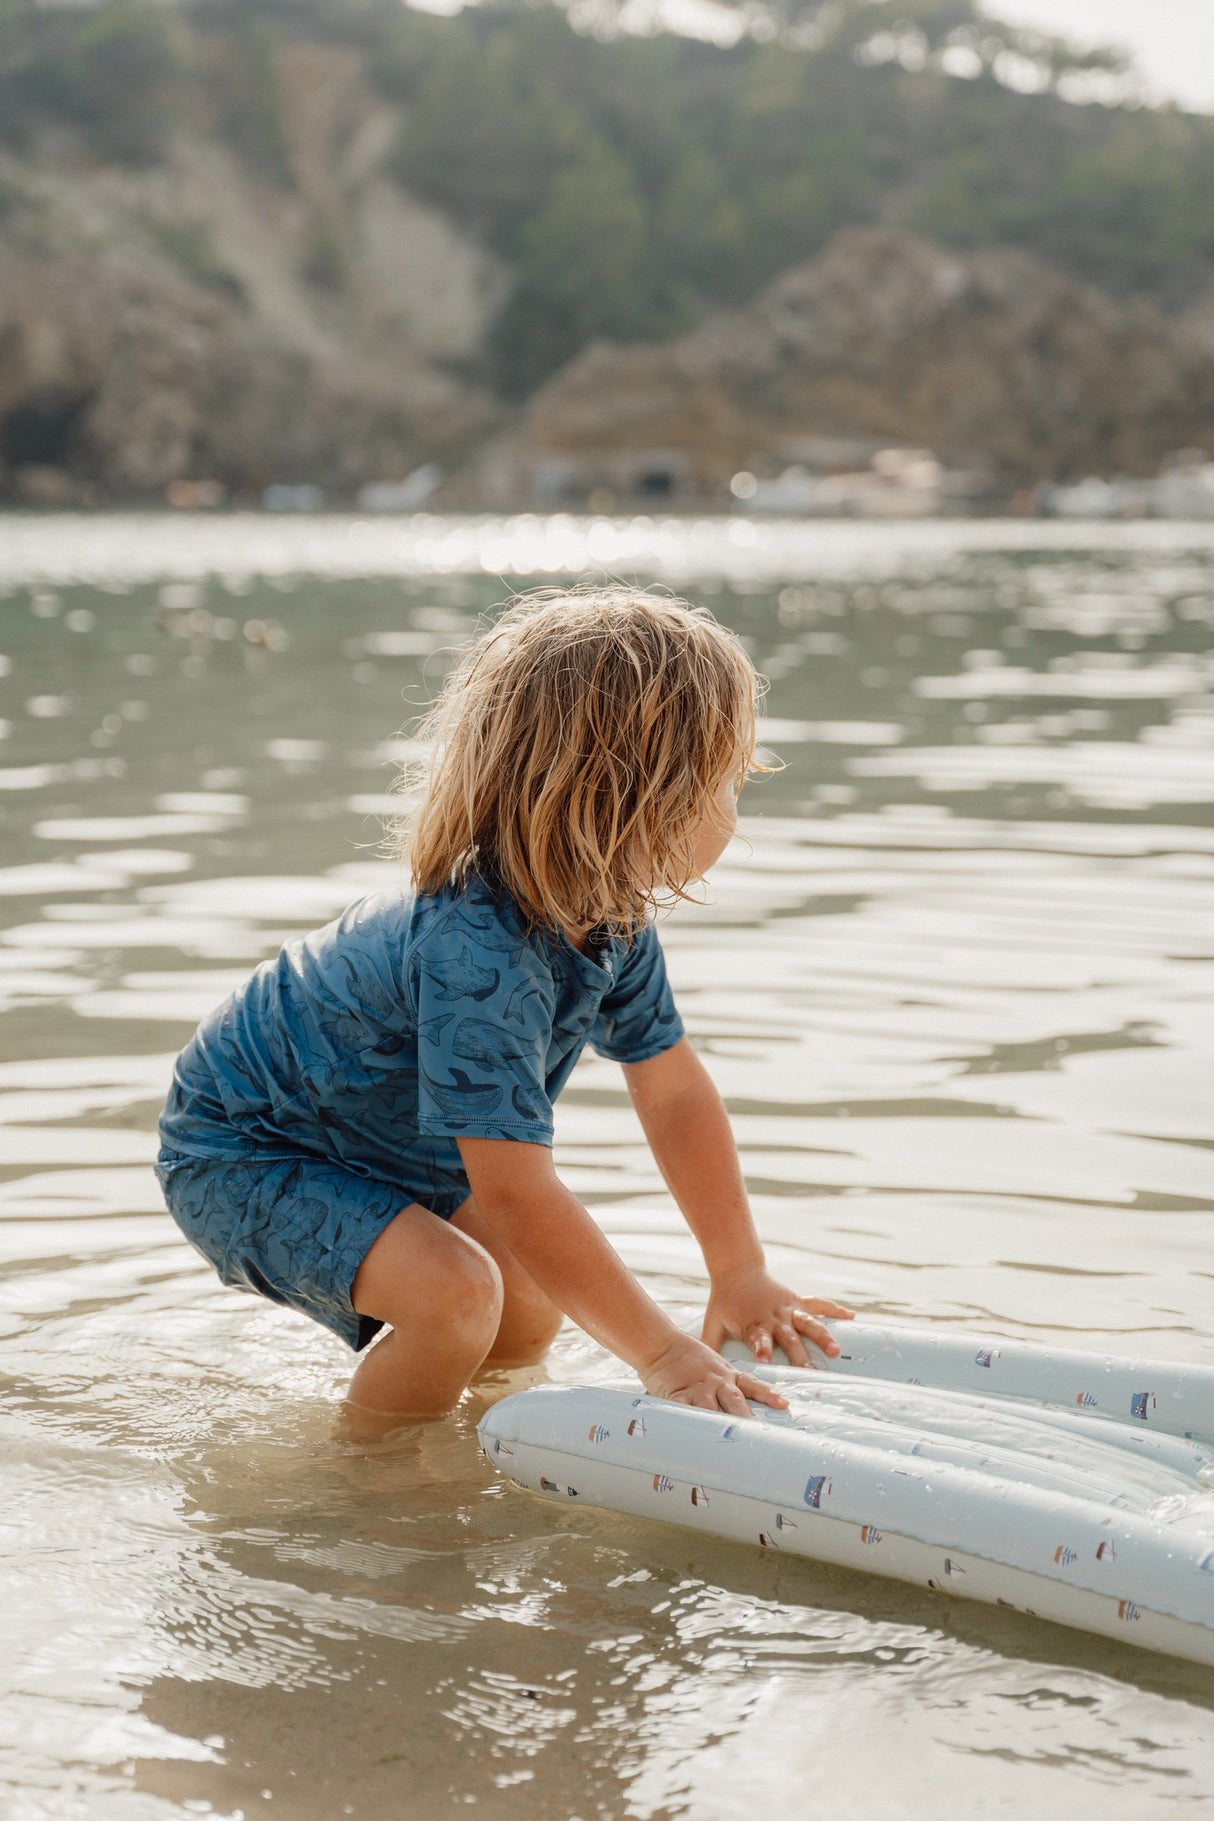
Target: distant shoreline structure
x=838 y=478
x=893 y=484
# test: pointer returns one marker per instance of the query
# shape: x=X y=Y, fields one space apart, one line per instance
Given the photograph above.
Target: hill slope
x=297 y=241
x=997 y=361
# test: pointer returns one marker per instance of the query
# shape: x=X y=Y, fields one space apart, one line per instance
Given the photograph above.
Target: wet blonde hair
x=576 y=751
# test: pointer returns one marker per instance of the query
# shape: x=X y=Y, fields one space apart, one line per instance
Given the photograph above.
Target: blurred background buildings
x=814 y=256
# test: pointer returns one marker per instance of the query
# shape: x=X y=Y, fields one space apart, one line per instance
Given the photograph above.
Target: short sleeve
x=484 y=1017
x=638 y=1018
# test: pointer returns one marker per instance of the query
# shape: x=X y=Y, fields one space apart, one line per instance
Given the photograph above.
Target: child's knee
x=423 y=1276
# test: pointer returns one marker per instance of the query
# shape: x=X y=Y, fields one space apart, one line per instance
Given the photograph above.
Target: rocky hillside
x=297 y=243
x=192 y=319
x=998 y=362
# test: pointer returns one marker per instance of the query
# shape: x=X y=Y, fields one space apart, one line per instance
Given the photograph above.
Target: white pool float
x=1078 y=1487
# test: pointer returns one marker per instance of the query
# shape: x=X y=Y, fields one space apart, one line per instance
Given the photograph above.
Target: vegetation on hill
x=635 y=184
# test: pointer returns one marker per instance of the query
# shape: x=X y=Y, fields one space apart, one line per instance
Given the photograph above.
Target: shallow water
x=956 y=985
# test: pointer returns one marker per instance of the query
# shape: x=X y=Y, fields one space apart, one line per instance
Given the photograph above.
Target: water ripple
x=956 y=986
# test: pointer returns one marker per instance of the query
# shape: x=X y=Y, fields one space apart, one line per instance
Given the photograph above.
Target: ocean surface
x=957 y=985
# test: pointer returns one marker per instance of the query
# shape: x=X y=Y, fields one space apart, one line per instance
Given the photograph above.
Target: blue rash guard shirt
x=406 y=1023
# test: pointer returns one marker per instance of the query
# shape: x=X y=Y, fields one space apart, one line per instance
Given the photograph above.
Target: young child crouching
x=363 y=1130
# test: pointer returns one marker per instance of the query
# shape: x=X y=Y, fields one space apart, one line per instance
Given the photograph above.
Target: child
x=363 y=1129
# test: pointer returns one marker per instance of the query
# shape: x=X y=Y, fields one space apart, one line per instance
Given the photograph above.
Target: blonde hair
x=578 y=747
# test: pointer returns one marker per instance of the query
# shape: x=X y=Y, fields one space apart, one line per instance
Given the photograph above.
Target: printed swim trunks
x=294 y=1229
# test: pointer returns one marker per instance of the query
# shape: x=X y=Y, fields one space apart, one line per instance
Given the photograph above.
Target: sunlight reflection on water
x=956 y=985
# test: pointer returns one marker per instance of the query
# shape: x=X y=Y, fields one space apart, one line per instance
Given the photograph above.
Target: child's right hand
x=688 y=1372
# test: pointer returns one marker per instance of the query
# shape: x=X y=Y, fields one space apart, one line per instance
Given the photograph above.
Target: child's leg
x=441 y=1294
x=529 y=1320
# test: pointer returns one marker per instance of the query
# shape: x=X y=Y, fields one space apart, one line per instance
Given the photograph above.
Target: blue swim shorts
x=294 y=1229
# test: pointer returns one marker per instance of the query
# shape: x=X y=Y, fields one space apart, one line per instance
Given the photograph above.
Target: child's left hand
x=752 y=1307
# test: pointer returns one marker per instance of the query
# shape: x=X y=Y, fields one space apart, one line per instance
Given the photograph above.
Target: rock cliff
x=995 y=360
x=199 y=319
x=193 y=319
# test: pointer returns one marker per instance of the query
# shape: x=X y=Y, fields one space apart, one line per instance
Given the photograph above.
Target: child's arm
x=516 y=1189
x=688 y=1131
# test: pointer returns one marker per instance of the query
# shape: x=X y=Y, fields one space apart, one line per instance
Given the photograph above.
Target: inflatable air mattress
x=1073 y=1486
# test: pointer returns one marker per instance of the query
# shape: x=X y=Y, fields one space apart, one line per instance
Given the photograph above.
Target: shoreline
x=127 y=548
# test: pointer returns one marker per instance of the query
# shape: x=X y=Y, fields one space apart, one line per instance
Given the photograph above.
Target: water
x=956 y=986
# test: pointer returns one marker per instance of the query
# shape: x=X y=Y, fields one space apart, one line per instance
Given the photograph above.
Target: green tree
x=114 y=71
x=700 y=232
x=241 y=81
x=487 y=133
x=582 y=273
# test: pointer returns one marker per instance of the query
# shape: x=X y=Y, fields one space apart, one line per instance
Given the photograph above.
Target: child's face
x=712 y=840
